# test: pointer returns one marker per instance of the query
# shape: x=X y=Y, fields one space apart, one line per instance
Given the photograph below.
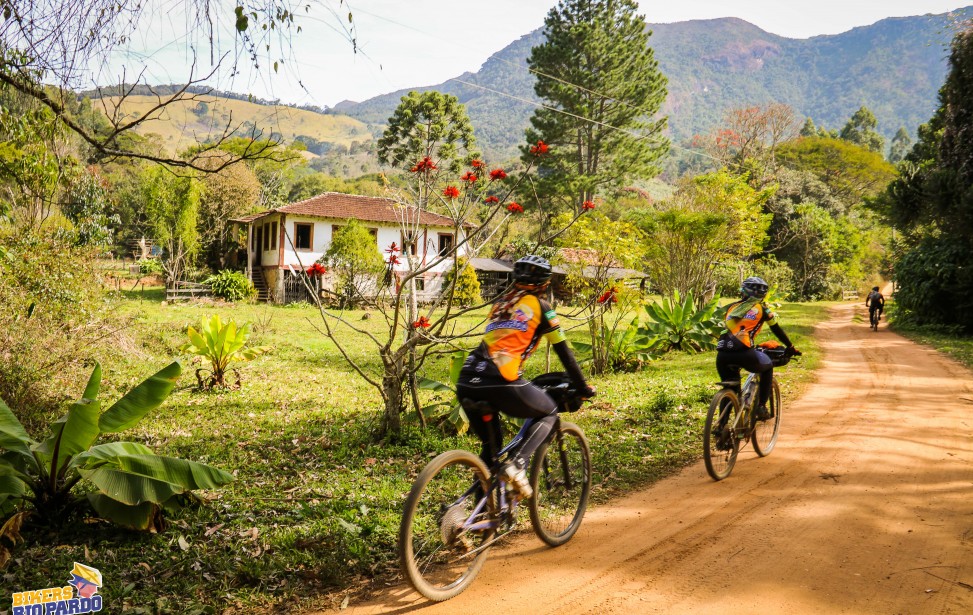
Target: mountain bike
x=458 y=508
x=731 y=421
x=873 y=317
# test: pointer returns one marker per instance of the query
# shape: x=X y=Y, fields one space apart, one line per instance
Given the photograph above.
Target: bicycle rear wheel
x=439 y=553
x=720 y=444
x=765 y=432
x=561 y=479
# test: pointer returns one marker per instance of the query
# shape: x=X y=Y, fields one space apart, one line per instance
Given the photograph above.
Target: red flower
x=476 y=163
x=469 y=177
x=426 y=164
x=491 y=200
x=451 y=192
x=540 y=149
x=392 y=249
x=393 y=259
x=422 y=323
x=514 y=208
x=497 y=174
x=587 y=205
x=609 y=296
x=316 y=269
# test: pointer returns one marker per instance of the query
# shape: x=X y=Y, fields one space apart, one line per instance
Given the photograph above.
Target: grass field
x=315 y=505
x=179 y=127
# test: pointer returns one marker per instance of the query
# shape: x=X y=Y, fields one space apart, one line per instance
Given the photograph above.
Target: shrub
x=676 y=324
x=231 y=286
x=54 y=313
x=467 y=290
x=131 y=483
x=150 y=266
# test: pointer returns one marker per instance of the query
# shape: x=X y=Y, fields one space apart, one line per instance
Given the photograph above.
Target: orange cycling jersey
x=511 y=337
x=745 y=318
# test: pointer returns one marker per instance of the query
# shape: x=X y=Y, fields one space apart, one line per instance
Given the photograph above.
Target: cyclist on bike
x=875 y=302
x=735 y=349
x=492 y=372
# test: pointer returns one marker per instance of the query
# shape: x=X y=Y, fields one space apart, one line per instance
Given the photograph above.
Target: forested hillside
x=894 y=67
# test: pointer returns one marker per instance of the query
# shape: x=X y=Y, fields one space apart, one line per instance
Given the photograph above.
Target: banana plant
x=131 y=484
x=220 y=344
x=676 y=324
x=626 y=348
x=455 y=415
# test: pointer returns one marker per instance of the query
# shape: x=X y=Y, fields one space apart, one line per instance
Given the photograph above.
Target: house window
x=266 y=231
x=303 y=236
x=374 y=233
x=445 y=244
x=413 y=248
x=273 y=235
x=420 y=284
x=257 y=238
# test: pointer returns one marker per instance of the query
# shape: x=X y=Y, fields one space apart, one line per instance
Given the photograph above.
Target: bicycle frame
x=505 y=506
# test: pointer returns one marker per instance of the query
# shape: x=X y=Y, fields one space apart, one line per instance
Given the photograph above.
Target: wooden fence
x=185 y=291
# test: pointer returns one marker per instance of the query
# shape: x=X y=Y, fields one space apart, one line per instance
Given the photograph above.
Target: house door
x=259 y=242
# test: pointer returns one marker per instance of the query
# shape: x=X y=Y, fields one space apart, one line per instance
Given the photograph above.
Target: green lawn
x=315 y=505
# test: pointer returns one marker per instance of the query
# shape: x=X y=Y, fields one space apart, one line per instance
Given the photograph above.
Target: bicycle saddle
x=730 y=384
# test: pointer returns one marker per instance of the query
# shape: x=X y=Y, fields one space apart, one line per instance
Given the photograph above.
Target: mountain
x=894 y=67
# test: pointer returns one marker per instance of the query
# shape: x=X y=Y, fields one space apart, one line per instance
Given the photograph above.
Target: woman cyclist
x=744 y=319
x=492 y=372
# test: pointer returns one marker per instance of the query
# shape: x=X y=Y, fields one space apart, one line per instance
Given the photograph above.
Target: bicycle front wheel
x=448 y=519
x=720 y=444
x=561 y=479
x=765 y=432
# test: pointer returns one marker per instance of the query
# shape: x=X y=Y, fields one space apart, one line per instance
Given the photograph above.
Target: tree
x=172 y=212
x=353 y=257
x=901 y=143
x=808 y=129
x=229 y=193
x=860 y=130
x=711 y=219
x=750 y=137
x=932 y=204
x=603 y=88
x=466 y=290
x=852 y=172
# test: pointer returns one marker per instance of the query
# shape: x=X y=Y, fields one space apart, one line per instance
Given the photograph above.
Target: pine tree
x=809 y=129
x=603 y=90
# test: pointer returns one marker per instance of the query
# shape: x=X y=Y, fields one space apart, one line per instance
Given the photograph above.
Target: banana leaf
x=71 y=434
x=102 y=453
x=141 y=400
x=13 y=436
x=129 y=488
x=188 y=475
x=144 y=517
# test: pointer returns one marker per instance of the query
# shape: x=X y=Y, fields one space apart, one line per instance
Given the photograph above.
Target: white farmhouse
x=283 y=242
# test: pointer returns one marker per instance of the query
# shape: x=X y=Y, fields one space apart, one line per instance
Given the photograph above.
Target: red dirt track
x=865 y=506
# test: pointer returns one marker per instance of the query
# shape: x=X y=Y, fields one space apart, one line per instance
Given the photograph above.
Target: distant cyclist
x=735 y=350
x=875 y=303
x=492 y=372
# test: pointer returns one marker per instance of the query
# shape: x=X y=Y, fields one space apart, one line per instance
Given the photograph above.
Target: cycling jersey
x=743 y=321
x=511 y=337
x=875 y=301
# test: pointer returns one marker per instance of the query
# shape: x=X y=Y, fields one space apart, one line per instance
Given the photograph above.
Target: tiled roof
x=343 y=206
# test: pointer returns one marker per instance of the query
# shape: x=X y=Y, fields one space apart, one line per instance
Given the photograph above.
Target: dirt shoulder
x=865 y=506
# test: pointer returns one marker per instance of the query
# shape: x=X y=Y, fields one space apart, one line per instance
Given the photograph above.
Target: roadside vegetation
x=315 y=501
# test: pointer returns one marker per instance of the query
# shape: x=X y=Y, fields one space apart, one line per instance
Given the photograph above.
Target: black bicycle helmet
x=754 y=287
x=875 y=288
x=532 y=269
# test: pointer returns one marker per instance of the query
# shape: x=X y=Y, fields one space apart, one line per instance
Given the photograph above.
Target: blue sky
x=406 y=43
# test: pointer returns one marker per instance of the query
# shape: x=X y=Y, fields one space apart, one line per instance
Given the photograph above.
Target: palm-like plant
x=131 y=483
x=220 y=344
x=676 y=324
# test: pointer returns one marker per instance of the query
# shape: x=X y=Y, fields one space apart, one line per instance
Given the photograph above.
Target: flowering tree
x=431 y=139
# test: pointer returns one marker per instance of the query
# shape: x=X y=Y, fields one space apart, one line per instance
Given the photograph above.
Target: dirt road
x=865 y=506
